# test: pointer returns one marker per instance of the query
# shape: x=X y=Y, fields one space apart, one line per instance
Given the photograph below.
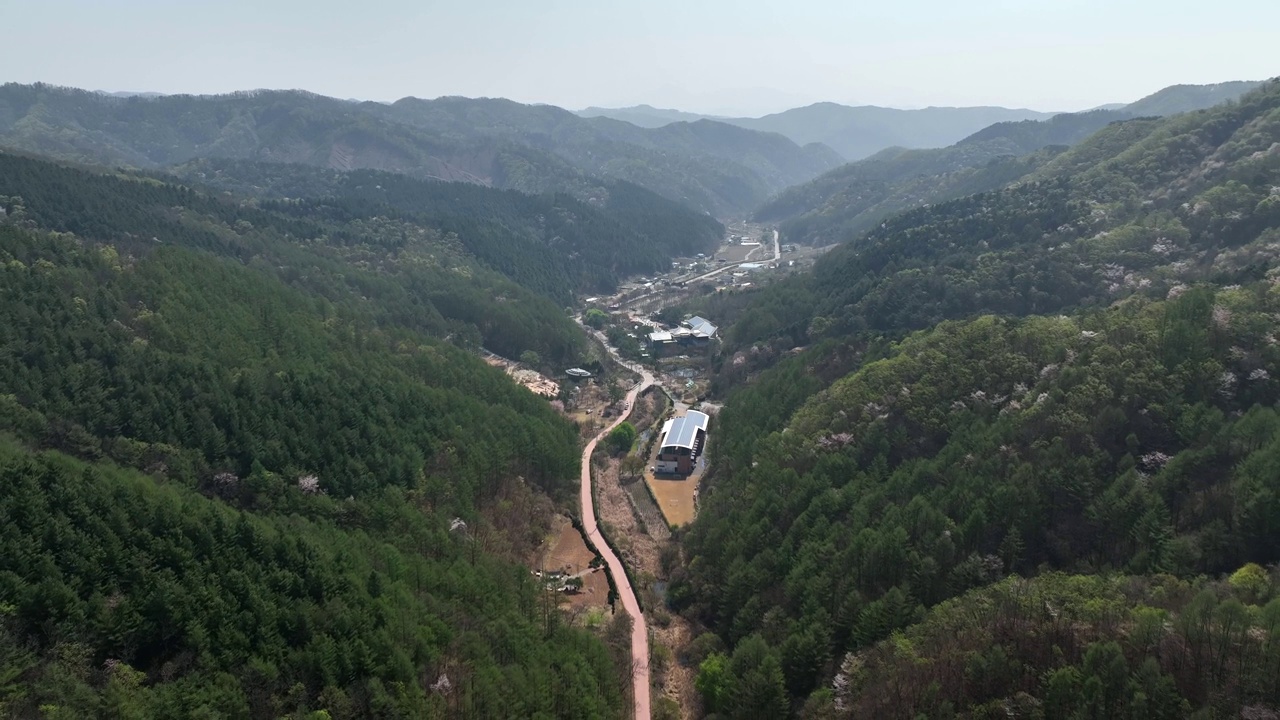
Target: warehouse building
x=683 y=439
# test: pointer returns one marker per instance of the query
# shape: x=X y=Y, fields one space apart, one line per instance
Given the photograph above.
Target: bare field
x=675 y=497
x=594 y=592
x=735 y=253
x=568 y=552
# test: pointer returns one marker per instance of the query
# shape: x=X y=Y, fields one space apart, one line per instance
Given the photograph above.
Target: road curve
x=639 y=631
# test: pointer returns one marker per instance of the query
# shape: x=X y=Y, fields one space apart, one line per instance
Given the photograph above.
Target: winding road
x=639 y=630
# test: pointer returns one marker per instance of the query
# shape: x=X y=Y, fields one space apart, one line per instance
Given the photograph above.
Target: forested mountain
x=858 y=132
x=1073 y=374
x=553 y=244
x=711 y=167
x=1185 y=98
x=645 y=116
x=291 y=491
x=708 y=165
x=855 y=197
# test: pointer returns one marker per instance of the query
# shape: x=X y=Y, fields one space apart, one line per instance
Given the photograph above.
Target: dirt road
x=639 y=631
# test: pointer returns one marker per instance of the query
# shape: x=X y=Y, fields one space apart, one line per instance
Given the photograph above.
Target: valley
x=314 y=408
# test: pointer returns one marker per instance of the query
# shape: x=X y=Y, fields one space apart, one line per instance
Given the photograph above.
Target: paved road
x=639 y=630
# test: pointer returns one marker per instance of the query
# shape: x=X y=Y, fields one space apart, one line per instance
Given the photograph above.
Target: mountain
x=251 y=466
x=709 y=166
x=1072 y=375
x=853 y=132
x=1185 y=98
x=855 y=197
x=645 y=116
x=857 y=132
x=553 y=244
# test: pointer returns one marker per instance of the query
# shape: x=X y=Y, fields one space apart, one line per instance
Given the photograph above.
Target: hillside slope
x=1185 y=98
x=247 y=470
x=1075 y=373
x=553 y=244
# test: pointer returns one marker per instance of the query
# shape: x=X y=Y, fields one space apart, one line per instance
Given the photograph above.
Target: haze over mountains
x=856 y=196
x=712 y=167
x=858 y=132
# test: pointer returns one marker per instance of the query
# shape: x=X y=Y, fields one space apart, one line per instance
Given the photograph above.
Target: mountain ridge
x=490 y=141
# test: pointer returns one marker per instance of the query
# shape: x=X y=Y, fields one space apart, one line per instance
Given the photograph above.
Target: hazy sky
x=722 y=56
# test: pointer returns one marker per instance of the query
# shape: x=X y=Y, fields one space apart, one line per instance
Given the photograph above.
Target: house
x=682 y=441
x=694 y=331
x=700 y=328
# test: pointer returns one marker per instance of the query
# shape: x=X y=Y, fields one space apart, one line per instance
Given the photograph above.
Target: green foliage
x=621 y=438
x=951 y=426
x=980 y=448
x=596 y=318
x=551 y=243
x=1076 y=647
x=403 y=274
x=111 y=576
x=207 y=366
x=714 y=681
x=309 y=431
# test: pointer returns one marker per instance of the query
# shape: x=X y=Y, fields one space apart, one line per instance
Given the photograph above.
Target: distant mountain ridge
x=853 y=132
x=856 y=197
x=646 y=116
x=858 y=132
x=711 y=167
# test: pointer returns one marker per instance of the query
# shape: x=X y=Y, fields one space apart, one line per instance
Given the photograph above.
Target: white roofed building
x=682 y=442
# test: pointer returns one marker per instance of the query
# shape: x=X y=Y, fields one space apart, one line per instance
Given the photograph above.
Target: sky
x=727 y=57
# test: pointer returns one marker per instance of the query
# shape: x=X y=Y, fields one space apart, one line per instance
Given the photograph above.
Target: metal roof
x=701 y=326
x=682 y=431
x=660 y=336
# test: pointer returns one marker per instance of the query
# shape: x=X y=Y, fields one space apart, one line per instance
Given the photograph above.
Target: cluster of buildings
x=695 y=331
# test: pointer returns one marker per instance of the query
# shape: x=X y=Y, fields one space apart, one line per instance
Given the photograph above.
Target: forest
x=709 y=166
x=1011 y=449
x=1043 y=415
x=253 y=467
x=553 y=244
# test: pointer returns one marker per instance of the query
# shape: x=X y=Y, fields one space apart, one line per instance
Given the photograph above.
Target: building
x=682 y=441
x=577 y=373
x=694 y=331
x=700 y=328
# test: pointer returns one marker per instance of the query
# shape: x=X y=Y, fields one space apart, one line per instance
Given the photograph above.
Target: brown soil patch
x=539 y=384
x=676 y=498
x=594 y=592
x=568 y=552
